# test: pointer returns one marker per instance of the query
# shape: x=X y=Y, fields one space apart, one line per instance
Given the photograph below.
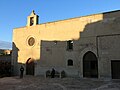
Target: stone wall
x=93 y=33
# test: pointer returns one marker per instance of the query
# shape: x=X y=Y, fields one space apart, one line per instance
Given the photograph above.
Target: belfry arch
x=30 y=67
x=90 y=65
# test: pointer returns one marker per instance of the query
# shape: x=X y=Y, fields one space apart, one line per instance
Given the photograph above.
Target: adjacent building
x=5 y=62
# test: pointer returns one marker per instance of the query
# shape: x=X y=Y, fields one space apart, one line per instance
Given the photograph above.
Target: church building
x=86 y=46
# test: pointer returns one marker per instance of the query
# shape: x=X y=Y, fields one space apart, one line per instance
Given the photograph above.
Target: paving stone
x=40 y=83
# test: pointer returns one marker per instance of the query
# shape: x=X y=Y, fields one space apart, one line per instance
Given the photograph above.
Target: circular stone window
x=31 y=41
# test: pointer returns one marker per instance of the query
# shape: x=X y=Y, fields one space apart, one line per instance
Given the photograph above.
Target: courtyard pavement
x=41 y=83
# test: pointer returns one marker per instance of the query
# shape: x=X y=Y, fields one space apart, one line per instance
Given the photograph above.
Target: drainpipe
x=97 y=46
x=97 y=54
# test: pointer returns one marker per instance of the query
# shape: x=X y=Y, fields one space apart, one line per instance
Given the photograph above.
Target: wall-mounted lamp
x=55 y=42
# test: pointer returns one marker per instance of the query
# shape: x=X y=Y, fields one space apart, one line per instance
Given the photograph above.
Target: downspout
x=97 y=55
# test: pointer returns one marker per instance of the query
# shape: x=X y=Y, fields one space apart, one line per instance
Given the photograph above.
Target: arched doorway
x=90 y=65
x=30 y=67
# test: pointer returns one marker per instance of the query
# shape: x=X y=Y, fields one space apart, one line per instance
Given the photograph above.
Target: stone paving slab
x=40 y=83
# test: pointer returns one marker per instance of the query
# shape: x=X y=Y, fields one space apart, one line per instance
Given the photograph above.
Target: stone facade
x=83 y=46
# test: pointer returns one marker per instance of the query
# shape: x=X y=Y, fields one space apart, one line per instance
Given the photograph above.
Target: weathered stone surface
x=98 y=33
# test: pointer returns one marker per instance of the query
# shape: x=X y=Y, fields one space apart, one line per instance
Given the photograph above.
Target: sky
x=13 y=13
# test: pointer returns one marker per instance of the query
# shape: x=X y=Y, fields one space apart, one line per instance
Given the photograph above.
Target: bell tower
x=32 y=20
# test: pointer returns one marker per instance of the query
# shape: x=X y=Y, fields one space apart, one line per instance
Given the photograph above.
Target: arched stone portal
x=90 y=65
x=30 y=67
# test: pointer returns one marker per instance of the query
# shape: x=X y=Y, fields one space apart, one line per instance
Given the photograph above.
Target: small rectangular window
x=70 y=62
x=70 y=45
